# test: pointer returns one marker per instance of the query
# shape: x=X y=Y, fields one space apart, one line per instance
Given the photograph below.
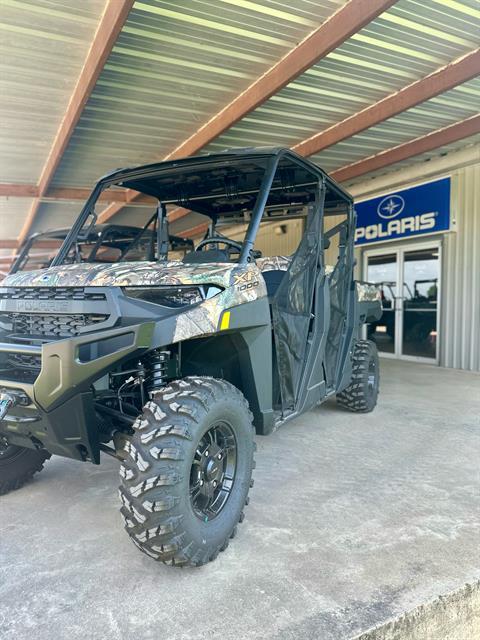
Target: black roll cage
x=273 y=157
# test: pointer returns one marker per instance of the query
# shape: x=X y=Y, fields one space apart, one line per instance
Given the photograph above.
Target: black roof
x=225 y=182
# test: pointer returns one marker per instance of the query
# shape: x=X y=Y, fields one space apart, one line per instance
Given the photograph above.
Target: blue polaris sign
x=404 y=214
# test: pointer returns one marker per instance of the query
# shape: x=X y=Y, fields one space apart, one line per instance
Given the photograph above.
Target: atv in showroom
x=171 y=366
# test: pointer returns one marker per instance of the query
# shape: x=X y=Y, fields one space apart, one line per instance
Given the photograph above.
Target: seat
x=273 y=270
x=273 y=280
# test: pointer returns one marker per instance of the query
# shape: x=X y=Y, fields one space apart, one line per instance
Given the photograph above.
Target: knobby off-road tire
x=18 y=465
x=362 y=392
x=166 y=457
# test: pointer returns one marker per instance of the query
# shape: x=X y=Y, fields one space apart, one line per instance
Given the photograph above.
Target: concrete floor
x=353 y=520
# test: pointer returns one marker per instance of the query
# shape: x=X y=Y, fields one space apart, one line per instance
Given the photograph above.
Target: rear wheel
x=362 y=392
x=186 y=477
x=18 y=465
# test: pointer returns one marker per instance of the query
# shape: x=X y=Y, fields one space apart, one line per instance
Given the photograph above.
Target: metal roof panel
x=403 y=44
x=173 y=67
x=43 y=46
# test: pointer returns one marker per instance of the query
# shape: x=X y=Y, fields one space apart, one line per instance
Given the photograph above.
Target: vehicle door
x=292 y=307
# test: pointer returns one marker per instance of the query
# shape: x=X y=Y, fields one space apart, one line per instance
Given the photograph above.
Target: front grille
x=24 y=361
x=51 y=313
x=49 y=293
x=22 y=366
x=50 y=326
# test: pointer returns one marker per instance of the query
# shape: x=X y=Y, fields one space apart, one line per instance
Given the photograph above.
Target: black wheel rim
x=213 y=471
x=371 y=377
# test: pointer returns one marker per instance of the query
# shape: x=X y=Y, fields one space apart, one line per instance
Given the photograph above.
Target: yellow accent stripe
x=225 y=321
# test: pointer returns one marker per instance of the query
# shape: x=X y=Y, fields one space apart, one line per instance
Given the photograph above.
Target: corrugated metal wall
x=460 y=316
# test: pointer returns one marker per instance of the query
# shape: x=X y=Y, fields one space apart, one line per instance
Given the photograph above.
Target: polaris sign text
x=403 y=214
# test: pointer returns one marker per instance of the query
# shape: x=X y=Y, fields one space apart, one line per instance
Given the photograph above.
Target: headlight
x=173 y=296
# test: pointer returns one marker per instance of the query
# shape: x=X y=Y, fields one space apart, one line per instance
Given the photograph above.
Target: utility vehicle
x=171 y=366
x=102 y=243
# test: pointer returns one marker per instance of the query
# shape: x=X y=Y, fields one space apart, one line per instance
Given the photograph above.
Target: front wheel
x=18 y=465
x=362 y=392
x=187 y=473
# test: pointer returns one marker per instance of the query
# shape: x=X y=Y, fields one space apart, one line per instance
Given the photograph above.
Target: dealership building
x=419 y=231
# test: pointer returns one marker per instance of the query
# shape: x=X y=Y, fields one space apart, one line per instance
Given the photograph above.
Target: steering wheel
x=219 y=240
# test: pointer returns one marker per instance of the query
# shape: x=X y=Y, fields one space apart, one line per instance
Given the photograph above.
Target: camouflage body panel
x=282 y=263
x=367 y=292
x=240 y=284
x=204 y=319
x=274 y=263
x=126 y=274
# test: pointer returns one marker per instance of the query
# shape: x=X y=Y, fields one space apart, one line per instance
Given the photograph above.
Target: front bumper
x=59 y=414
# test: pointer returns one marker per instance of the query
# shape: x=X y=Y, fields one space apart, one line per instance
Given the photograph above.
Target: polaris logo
x=396 y=227
x=391 y=207
x=40 y=306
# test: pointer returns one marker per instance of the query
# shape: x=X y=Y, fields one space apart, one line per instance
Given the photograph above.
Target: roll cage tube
x=162 y=232
x=138 y=237
x=24 y=251
x=260 y=203
x=88 y=209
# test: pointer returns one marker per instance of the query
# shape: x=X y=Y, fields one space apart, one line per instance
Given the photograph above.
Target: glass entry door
x=383 y=271
x=409 y=281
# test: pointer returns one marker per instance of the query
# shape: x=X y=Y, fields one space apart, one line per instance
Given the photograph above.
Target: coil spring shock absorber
x=156 y=370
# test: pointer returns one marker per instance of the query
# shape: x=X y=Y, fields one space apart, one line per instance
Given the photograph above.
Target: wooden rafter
x=109 y=195
x=441 y=80
x=197 y=230
x=346 y=21
x=8 y=244
x=111 y=23
x=69 y=194
x=410 y=149
x=19 y=190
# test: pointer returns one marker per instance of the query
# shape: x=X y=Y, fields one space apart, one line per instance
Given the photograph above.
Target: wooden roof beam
x=197 y=230
x=410 y=149
x=69 y=194
x=111 y=23
x=8 y=244
x=108 y=195
x=19 y=190
x=451 y=75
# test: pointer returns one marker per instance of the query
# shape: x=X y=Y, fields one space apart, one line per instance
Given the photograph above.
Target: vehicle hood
x=128 y=274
